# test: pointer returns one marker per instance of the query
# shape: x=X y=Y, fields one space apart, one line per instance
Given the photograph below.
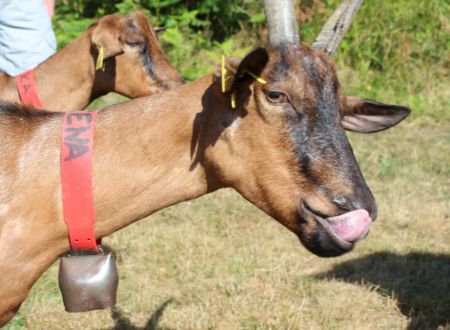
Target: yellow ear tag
x=233 y=100
x=227 y=76
x=226 y=88
x=223 y=75
x=100 y=64
x=258 y=79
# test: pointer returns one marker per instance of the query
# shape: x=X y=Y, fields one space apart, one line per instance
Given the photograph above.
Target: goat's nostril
x=348 y=205
x=343 y=203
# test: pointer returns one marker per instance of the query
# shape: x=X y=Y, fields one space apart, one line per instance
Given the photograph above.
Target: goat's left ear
x=367 y=116
x=115 y=33
x=250 y=68
x=106 y=34
x=234 y=72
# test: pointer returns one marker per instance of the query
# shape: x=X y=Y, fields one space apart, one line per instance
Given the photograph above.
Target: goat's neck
x=8 y=90
x=143 y=162
x=64 y=81
x=146 y=160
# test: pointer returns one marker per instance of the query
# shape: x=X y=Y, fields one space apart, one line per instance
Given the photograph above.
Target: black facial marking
x=300 y=143
x=147 y=60
x=327 y=136
x=282 y=67
x=145 y=53
x=149 y=66
x=317 y=134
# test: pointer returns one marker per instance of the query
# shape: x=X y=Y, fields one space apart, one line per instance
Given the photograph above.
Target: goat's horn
x=281 y=22
x=160 y=29
x=335 y=27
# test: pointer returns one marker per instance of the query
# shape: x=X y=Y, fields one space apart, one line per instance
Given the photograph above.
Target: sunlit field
x=220 y=263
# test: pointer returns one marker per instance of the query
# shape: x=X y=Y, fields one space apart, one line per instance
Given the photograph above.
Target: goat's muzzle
x=335 y=235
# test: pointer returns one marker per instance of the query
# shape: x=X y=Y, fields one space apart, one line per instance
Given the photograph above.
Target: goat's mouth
x=336 y=235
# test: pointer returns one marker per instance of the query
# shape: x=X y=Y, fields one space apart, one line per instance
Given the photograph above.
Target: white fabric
x=26 y=35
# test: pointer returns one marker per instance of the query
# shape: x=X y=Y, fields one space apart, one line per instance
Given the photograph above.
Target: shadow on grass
x=419 y=281
x=122 y=321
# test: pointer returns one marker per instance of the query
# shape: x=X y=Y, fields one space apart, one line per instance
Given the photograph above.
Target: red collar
x=76 y=178
x=27 y=89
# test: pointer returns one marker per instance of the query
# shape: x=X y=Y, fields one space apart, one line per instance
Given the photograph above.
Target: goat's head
x=133 y=59
x=286 y=148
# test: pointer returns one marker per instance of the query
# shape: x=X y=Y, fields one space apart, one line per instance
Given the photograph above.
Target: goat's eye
x=276 y=97
x=133 y=43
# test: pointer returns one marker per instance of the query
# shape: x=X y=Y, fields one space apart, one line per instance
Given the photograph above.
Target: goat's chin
x=322 y=245
x=333 y=236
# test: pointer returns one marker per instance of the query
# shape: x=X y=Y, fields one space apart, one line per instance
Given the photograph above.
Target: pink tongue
x=351 y=226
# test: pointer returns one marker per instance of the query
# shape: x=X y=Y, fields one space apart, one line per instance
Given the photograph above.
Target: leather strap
x=76 y=178
x=27 y=89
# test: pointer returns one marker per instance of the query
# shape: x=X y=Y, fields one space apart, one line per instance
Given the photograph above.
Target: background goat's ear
x=367 y=116
x=137 y=26
x=107 y=34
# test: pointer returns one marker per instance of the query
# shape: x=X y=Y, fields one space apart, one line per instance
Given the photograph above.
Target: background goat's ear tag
x=100 y=64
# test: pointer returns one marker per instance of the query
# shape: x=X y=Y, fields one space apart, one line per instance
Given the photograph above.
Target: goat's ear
x=250 y=68
x=367 y=116
x=137 y=29
x=118 y=34
x=107 y=34
x=235 y=72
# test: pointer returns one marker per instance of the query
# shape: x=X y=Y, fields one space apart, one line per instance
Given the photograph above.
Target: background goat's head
x=134 y=60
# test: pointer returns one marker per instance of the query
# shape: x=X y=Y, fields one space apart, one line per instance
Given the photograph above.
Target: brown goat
x=135 y=66
x=282 y=147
